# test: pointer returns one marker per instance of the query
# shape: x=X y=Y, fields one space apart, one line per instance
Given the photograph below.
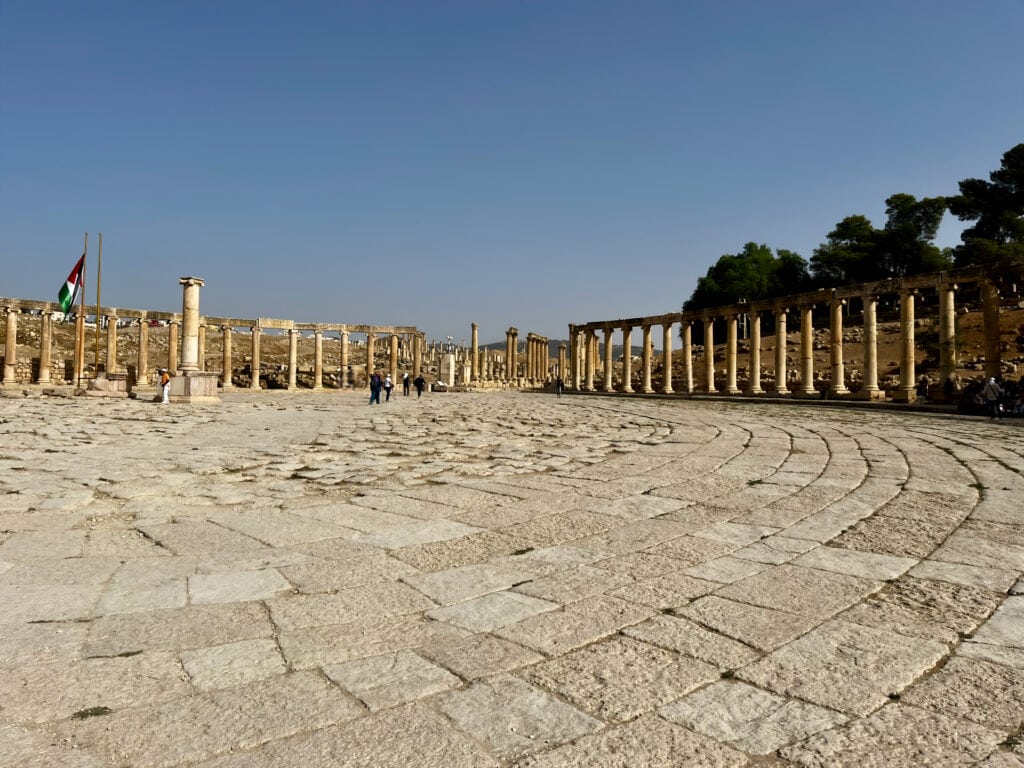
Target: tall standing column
x=514 y=359
x=907 y=391
x=11 y=345
x=781 y=343
x=666 y=358
x=343 y=364
x=754 y=385
x=732 y=321
x=807 y=350
x=709 y=354
x=45 y=347
x=588 y=359
x=508 y=355
x=561 y=362
x=417 y=355
x=869 y=389
x=990 y=322
x=475 y=362
x=608 y=359
x=371 y=342
x=190 y=323
x=393 y=359
x=838 y=384
x=111 y=360
x=573 y=381
x=627 y=359
x=318 y=359
x=226 y=366
x=172 y=346
x=645 y=381
x=142 y=362
x=293 y=358
x=688 y=356
x=202 y=346
x=254 y=382
x=947 y=331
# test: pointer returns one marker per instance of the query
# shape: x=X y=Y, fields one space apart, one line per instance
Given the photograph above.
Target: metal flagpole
x=99 y=275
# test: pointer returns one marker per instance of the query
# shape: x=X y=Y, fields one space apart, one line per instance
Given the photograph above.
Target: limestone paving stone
x=894 y=536
x=998 y=654
x=29 y=644
x=961 y=548
x=121 y=597
x=491 y=611
x=42 y=602
x=387 y=681
x=761 y=628
x=670 y=590
x=562 y=528
x=725 y=570
x=189 y=537
x=232 y=664
x=846 y=667
x=648 y=741
x=677 y=634
x=749 y=719
x=385 y=598
x=993 y=579
x=278 y=529
x=28 y=749
x=573 y=584
x=865 y=565
x=896 y=736
x=465 y=550
x=620 y=678
x=311 y=576
x=481 y=655
x=205 y=589
x=692 y=550
x=422 y=532
x=351 y=516
x=800 y=590
x=1006 y=626
x=514 y=718
x=458 y=584
x=634 y=536
x=639 y=565
x=32 y=546
x=973 y=689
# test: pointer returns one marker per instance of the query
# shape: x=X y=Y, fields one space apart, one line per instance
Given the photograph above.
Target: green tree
x=905 y=246
x=996 y=240
x=847 y=255
x=752 y=274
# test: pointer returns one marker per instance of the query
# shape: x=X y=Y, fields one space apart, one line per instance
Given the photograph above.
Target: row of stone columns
x=585 y=354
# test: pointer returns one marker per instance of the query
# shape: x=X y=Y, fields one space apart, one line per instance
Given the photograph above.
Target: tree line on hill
x=855 y=251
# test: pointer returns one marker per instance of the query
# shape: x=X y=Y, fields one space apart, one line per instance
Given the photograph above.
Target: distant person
x=388 y=386
x=559 y=386
x=375 y=385
x=419 y=383
x=406 y=382
x=922 y=389
x=992 y=392
x=949 y=388
x=165 y=385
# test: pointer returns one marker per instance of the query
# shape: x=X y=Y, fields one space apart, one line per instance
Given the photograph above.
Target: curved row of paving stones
x=504 y=579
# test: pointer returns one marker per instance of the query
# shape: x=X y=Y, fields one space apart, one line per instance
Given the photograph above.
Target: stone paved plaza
x=507 y=579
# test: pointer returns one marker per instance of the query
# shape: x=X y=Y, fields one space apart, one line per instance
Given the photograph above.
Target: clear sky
x=509 y=162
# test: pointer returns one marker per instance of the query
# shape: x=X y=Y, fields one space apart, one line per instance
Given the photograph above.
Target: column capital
x=189 y=281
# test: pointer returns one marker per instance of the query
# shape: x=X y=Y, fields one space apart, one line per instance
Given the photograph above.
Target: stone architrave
x=754 y=386
x=45 y=347
x=318 y=359
x=645 y=381
x=226 y=365
x=838 y=384
x=254 y=383
x=688 y=356
x=293 y=357
x=781 y=342
x=807 y=350
x=627 y=359
x=990 y=322
x=111 y=359
x=907 y=390
x=142 y=362
x=709 y=354
x=172 y=346
x=666 y=358
x=11 y=345
x=192 y=385
x=732 y=322
x=869 y=389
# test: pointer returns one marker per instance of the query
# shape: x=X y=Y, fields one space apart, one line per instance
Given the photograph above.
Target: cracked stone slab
x=573 y=584
x=846 y=667
x=677 y=634
x=1006 y=626
x=852 y=562
x=960 y=548
x=492 y=611
x=972 y=689
x=897 y=736
x=423 y=532
x=514 y=718
x=801 y=590
x=620 y=678
x=762 y=628
x=41 y=602
x=458 y=584
x=480 y=655
x=237 y=587
x=332 y=575
x=725 y=570
x=30 y=644
x=994 y=579
x=663 y=592
x=382 y=682
x=749 y=719
x=385 y=598
x=232 y=664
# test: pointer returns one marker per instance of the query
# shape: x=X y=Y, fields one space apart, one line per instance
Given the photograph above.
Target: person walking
x=375 y=385
x=419 y=383
x=405 y=383
x=992 y=392
x=559 y=386
x=388 y=385
x=165 y=385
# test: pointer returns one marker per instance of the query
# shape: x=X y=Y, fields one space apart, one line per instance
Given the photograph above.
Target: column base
x=194 y=387
x=668 y=391
x=781 y=392
x=648 y=390
x=904 y=396
x=837 y=392
x=755 y=392
x=869 y=394
x=733 y=391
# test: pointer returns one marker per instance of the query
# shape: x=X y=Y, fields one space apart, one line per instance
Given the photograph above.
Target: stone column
x=475 y=362
x=838 y=384
x=190 y=323
x=417 y=355
x=781 y=343
x=688 y=356
x=574 y=371
x=907 y=390
x=172 y=346
x=318 y=359
x=111 y=360
x=807 y=351
x=371 y=342
x=608 y=360
x=754 y=387
x=202 y=346
x=666 y=358
x=293 y=357
x=142 y=361
x=709 y=353
x=226 y=364
x=514 y=357
x=343 y=372
x=990 y=322
x=870 y=386
x=45 y=348
x=627 y=359
x=11 y=345
x=732 y=321
x=645 y=379
x=508 y=355
x=393 y=360
x=947 y=331
x=255 y=367
x=561 y=362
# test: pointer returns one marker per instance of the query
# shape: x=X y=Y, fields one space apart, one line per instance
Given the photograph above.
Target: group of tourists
x=385 y=385
x=993 y=397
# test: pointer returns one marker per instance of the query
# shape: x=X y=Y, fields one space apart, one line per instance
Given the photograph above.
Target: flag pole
x=96 y=328
x=80 y=320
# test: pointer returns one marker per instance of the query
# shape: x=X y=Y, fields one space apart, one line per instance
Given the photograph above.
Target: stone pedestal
x=446 y=370
x=195 y=387
x=110 y=385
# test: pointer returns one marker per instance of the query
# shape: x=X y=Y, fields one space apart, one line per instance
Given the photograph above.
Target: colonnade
x=586 y=357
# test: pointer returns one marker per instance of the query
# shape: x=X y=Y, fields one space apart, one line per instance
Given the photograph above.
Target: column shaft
x=907 y=391
x=608 y=360
x=754 y=385
x=709 y=354
x=45 y=348
x=111 y=360
x=627 y=359
x=142 y=361
x=172 y=347
x=11 y=345
x=732 y=321
x=781 y=342
x=990 y=321
x=318 y=359
x=371 y=342
x=666 y=358
x=870 y=386
x=947 y=331
x=807 y=351
x=226 y=366
x=475 y=362
x=688 y=355
x=255 y=367
x=645 y=385
x=838 y=383
x=293 y=358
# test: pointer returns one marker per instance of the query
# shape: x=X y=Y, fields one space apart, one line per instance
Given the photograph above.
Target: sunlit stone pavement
x=507 y=580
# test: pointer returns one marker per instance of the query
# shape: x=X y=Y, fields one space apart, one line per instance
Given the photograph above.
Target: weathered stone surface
x=491 y=611
x=994 y=579
x=574 y=584
x=27 y=749
x=237 y=663
x=763 y=628
x=845 y=667
x=678 y=634
x=692 y=550
x=387 y=681
x=969 y=550
x=240 y=586
x=579 y=623
x=670 y=590
x=725 y=570
x=999 y=654
x=479 y=656
x=799 y=590
x=894 y=536
x=312 y=577
x=987 y=693
x=29 y=644
x=457 y=584
x=386 y=598
x=279 y=529
x=752 y=720
x=897 y=736
x=416 y=533
x=620 y=678
x=864 y=565
x=514 y=718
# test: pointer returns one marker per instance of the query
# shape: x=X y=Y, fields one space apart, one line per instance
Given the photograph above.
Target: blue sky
x=527 y=163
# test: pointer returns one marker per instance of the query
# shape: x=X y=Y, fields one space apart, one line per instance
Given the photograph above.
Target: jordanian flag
x=69 y=291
